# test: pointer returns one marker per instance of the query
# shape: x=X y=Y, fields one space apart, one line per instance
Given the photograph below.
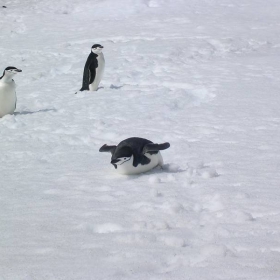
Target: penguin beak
x=18 y=70
x=114 y=161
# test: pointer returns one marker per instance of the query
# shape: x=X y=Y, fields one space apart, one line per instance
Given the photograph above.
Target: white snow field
x=203 y=75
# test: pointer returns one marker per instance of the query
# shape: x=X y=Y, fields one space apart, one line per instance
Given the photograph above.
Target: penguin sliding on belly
x=8 y=98
x=135 y=155
x=94 y=69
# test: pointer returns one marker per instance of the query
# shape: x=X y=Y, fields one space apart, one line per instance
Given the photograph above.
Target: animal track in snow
x=153 y=3
x=152 y=225
x=173 y=241
x=107 y=228
x=99 y=228
x=203 y=171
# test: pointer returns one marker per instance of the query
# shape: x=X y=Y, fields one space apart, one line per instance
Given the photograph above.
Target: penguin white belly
x=127 y=167
x=99 y=73
x=7 y=98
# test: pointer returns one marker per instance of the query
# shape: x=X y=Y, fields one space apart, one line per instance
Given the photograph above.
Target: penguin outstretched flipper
x=151 y=147
x=108 y=149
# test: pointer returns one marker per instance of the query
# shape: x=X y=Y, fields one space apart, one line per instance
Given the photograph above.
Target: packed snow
x=201 y=75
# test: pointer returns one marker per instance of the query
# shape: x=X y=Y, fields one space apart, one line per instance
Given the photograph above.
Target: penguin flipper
x=140 y=159
x=108 y=149
x=85 y=85
x=151 y=147
x=92 y=74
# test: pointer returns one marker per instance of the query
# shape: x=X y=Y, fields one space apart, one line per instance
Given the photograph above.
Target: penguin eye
x=124 y=158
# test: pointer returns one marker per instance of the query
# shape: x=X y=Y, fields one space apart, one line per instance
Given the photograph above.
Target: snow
x=202 y=75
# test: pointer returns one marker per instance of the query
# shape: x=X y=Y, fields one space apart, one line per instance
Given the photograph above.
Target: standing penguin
x=8 y=98
x=135 y=155
x=94 y=69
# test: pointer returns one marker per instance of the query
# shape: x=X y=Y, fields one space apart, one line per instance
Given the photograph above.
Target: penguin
x=135 y=155
x=94 y=69
x=8 y=98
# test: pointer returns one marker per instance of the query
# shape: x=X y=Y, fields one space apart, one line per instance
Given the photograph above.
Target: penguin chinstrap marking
x=8 y=98
x=94 y=69
x=135 y=155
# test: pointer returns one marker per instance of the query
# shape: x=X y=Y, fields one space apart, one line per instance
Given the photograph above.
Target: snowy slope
x=202 y=75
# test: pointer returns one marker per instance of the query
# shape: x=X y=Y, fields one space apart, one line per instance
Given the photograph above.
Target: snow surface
x=202 y=75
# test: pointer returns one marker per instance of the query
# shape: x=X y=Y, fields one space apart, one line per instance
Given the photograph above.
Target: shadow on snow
x=34 y=112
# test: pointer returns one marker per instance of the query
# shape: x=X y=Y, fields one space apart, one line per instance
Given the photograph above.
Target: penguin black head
x=121 y=156
x=97 y=48
x=11 y=70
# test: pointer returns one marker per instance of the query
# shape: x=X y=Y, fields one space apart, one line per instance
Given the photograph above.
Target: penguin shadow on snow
x=111 y=87
x=165 y=168
x=155 y=172
x=34 y=112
